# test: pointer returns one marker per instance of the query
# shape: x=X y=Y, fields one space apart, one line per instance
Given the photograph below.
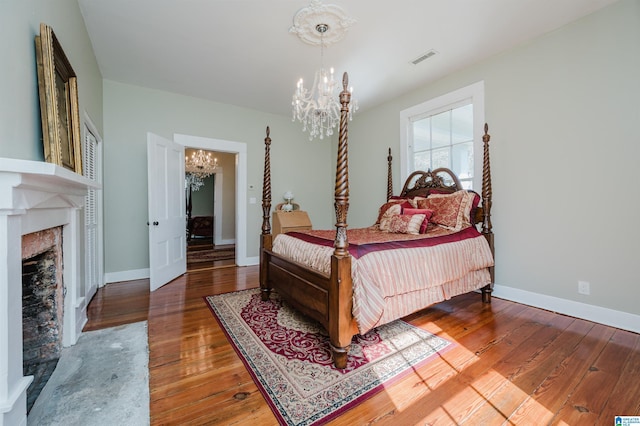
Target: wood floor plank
x=586 y=403
x=510 y=363
x=622 y=402
x=527 y=366
x=553 y=392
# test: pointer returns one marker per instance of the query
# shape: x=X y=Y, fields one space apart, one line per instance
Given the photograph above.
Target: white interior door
x=167 y=210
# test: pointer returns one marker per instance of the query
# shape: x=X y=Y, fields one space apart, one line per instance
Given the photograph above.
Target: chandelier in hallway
x=199 y=166
x=318 y=107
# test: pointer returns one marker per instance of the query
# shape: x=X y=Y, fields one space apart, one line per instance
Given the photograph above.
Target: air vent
x=424 y=56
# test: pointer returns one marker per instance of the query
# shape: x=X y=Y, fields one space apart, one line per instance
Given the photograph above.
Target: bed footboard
x=325 y=298
x=328 y=299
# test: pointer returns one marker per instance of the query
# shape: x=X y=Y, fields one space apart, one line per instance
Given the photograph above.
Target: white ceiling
x=240 y=52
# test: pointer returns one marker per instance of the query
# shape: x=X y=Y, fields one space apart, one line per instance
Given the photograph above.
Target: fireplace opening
x=42 y=308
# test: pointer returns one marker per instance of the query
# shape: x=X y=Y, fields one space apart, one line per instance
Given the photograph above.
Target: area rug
x=288 y=356
x=210 y=255
x=101 y=380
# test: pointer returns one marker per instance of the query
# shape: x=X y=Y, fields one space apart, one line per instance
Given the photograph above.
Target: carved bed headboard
x=421 y=183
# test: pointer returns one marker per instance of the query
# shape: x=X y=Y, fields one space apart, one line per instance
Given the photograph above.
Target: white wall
x=563 y=114
x=131 y=111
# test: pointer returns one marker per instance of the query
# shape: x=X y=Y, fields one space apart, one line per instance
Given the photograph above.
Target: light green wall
x=20 y=128
x=202 y=199
x=130 y=112
x=563 y=115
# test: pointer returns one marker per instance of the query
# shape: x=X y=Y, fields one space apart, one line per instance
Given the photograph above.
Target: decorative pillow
x=448 y=209
x=427 y=215
x=475 y=202
x=414 y=201
x=407 y=202
x=405 y=223
x=393 y=209
x=387 y=205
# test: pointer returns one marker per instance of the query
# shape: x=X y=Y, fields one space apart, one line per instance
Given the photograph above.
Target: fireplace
x=36 y=197
x=42 y=307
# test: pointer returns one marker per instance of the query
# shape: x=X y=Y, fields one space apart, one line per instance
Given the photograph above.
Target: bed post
x=389 y=176
x=486 y=210
x=341 y=291
x=266 y=238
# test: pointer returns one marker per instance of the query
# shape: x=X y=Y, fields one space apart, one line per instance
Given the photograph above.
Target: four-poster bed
x=350 y=289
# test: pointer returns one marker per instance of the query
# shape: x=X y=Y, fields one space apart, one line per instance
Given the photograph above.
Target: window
x=445 y=132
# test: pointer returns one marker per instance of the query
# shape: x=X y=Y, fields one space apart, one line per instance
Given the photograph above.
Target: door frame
x=240 y=150
x=217 y=207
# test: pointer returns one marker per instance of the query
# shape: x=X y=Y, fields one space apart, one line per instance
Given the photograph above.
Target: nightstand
x=296 y=220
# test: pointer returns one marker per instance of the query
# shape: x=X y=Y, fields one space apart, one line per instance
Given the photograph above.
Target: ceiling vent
x=423 y=57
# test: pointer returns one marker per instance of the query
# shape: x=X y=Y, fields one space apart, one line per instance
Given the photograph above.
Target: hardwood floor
x=195 y=245
x=511 y=364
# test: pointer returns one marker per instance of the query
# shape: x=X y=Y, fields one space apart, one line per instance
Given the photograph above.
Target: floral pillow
x=389 y=211
x=427 y=215
x=386 y=206
x=407 y=202
x=405 y=223
x=449 y=210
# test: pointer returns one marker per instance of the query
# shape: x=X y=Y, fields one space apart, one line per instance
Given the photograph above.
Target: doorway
x=210 y=203
x=239 y=168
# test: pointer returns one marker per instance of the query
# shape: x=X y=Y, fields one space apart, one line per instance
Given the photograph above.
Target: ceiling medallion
x=307 y=19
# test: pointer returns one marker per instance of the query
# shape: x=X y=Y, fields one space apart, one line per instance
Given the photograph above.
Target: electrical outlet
x=583 y=287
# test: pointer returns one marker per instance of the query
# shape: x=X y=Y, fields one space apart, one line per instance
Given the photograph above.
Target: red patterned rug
x=210 y=255
x=289 y=359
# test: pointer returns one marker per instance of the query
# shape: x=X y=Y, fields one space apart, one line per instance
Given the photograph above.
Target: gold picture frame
x=58 y=90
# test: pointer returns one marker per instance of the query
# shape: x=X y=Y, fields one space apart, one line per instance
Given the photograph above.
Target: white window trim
x=473 y=92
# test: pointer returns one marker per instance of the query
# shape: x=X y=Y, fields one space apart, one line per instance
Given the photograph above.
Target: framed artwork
x=58 y=90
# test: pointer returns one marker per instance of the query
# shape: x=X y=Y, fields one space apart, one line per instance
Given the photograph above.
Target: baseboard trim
x=606 y=316
x=135 y=274
x=250 y=261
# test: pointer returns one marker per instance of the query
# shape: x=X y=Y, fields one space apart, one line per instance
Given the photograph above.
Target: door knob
x=155 y=223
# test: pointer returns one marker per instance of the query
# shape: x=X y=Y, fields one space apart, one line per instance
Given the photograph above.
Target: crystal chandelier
x=198 y=166
x=201 y=164
x=318 y=108
x=193 y=182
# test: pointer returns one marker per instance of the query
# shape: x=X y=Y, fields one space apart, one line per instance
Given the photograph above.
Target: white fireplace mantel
x=35 y=196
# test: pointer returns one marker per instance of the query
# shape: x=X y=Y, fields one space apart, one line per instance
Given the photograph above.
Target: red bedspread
x=367 y=240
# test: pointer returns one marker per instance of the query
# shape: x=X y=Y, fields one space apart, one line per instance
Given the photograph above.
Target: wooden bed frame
x=328 y=298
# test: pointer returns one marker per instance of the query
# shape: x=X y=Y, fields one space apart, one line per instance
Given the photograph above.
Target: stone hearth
x=35 y=196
